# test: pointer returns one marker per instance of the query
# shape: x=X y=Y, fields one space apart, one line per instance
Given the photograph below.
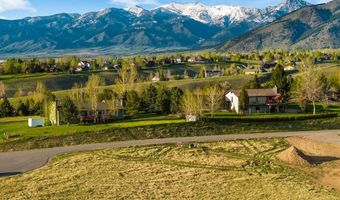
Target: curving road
x=22 y=161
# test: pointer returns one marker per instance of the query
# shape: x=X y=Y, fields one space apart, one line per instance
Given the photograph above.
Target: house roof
x=100 y=106
x=271 y=92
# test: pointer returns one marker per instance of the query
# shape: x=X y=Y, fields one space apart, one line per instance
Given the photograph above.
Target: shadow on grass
x=317 y=160
x=9 y=174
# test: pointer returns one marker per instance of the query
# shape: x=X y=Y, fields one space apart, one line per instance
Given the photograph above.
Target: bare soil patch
x=316 y=157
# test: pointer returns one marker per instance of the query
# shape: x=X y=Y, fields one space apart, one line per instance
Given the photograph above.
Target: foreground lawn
x=18 y=126
x=244 y=169
x=23 y=137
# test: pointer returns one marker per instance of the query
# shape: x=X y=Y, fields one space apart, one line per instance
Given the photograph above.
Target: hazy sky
x=14 y=9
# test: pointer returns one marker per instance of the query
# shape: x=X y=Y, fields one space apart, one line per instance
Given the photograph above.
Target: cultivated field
x=245 y=169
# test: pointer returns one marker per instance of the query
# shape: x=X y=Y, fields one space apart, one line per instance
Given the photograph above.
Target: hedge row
x=273 y=118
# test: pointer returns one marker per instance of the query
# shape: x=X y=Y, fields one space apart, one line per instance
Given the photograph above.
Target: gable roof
x=271 y=92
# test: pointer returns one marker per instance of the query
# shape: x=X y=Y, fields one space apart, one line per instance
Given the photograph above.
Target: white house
x=156 y=79
x=178 y=60
x=260 y=100
x=290 y=68
x=84 y=65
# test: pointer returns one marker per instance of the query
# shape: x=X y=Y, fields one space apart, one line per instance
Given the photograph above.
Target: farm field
x=234 y=169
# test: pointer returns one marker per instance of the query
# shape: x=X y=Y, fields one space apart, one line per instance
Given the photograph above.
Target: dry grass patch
x=224 y=170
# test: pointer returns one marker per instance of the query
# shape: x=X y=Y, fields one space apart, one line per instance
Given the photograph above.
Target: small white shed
x=36 y=122
x=191 y=118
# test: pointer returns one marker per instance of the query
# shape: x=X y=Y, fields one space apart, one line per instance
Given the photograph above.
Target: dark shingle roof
x=271 y=92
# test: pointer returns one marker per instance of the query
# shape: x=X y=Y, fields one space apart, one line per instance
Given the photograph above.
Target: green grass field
x=53 y=81
x=243 y=169
x=149 y=127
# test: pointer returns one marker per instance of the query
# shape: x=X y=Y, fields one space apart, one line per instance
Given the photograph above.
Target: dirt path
x=23 y=161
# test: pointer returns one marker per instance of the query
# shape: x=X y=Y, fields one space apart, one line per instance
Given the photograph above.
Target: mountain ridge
x=313 y=27
x=134 y=28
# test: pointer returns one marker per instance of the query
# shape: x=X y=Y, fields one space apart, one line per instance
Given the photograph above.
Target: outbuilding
x=36 y=122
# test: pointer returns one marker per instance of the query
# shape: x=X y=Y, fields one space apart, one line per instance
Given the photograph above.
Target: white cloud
x=6 y=5
x=134 y=2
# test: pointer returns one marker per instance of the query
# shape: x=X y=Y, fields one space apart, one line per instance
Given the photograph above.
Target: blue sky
x=14 y=9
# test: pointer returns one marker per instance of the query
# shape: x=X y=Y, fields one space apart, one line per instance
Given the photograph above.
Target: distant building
x=212 y=73
x=260 y=100
x=103 y=113
x=196 y=59
x=178 y=60
x=156 y=79
x=250 y=71
x=290 y=68
x=83 y=66
x=106 y=66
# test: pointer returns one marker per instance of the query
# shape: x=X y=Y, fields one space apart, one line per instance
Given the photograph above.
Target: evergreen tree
x=175 y=100
x=22 y=109
x=279 y=79
x=163 y=101
x=149 y=98
x=69 y=110
x=132 y=103
x=243 y=101
x=6 y=109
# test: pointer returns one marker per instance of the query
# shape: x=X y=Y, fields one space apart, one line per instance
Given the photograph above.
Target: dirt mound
x=293 y=156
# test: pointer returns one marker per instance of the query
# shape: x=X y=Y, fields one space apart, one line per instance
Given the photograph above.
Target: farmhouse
x=260 y=100
x=103 y=113
x=213 y=73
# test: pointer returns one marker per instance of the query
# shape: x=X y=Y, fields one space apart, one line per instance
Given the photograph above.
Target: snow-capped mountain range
x=171 y=26
x=221 y=14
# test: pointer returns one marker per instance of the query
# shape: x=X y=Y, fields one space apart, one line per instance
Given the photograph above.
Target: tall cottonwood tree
x=128 y=76
x=40 y=92
x=2 y=90
x=93 y=90
x=214 y=95
x=77 y=94
x=193 y=102
x=312 y=85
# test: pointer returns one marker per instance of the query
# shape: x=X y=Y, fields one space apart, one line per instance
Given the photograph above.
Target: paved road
x=23 y=161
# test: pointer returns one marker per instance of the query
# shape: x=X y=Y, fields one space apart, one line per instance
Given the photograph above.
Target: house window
x=232 y=99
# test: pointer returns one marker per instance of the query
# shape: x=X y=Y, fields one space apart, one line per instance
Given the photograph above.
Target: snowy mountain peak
x=206 y=14
x=291 y=5
x=136 y=10
x=221 y=14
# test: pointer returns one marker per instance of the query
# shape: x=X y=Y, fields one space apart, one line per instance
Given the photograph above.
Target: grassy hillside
x=244 y=169
x=53 y=81
x=65 y=81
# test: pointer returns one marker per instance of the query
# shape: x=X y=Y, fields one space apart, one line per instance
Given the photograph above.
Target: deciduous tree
x=214 y=95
